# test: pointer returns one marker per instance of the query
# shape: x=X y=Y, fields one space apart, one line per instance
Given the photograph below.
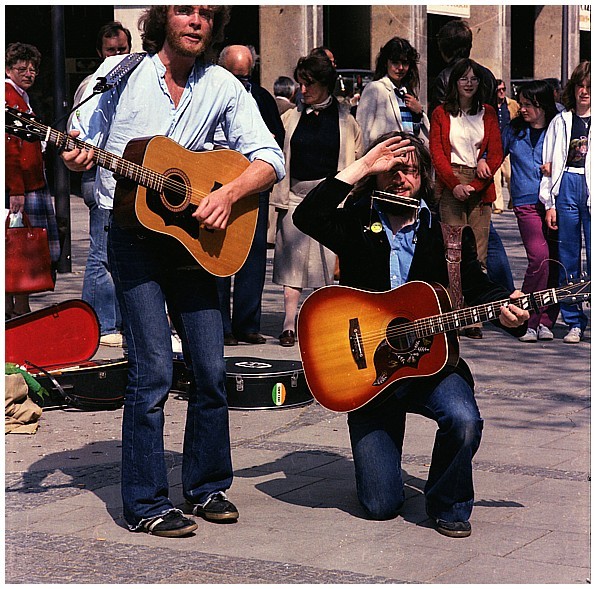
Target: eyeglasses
x=501 y=89
x=473 y=80
x=22 y=70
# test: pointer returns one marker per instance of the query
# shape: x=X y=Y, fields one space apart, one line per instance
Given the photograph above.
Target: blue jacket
x=525 y=165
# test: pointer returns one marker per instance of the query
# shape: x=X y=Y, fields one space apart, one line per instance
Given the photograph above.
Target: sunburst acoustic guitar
x=355 y=344
x=160 y=185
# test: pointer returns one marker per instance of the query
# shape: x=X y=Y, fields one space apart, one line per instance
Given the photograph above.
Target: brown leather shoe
x=251 y=338
x=287 y=339
x=473 y=332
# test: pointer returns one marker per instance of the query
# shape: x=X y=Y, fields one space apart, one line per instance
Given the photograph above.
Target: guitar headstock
x=23 y=125
x=575 y=291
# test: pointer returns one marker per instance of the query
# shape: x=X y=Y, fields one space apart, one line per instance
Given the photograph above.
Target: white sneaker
x=529 y=336
x=574 y=336
x=113 y=340
x=544 y=333
x=176 y=344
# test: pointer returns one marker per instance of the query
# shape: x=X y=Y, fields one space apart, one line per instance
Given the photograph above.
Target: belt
x=575 y=170
x=461 y=168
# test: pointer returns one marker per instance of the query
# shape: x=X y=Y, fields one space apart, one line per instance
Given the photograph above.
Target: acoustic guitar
x=355 y=344
x=160 y=184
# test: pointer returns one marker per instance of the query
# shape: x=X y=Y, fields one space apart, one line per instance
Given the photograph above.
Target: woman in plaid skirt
x=25 y=175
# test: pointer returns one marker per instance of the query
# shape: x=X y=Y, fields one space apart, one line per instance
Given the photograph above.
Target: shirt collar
x=321 y=106
x=413 y=226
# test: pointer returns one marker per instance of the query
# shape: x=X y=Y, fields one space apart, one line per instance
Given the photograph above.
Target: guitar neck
x=488 y=312
x=107 y=160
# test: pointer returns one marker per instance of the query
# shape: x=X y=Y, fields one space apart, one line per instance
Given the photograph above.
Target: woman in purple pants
x=522 y=140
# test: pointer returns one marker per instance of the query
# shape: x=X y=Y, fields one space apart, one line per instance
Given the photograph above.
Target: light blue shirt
x=143 y=107
x=403 y=244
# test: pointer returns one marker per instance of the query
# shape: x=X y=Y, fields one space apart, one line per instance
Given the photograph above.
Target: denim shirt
x=403 y=244
x=142 y=107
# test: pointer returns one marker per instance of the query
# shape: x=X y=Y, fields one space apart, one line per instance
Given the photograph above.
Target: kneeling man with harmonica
x=385 y=236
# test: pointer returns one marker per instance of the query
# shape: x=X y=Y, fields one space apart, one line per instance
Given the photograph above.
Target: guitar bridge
x=355 y=337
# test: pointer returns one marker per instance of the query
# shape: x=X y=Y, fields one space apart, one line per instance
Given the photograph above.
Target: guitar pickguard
x=388 y=360
x=178 y=216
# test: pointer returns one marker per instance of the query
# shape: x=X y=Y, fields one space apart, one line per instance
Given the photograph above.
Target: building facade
x=515 y=42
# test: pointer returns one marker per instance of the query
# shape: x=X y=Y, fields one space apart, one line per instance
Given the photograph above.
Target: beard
x=176 y=41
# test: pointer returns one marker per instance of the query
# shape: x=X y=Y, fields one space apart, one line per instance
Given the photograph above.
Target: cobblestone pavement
x=300 y=520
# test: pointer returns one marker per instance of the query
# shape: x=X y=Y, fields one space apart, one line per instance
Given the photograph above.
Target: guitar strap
x=452 y=239
x=117 y=73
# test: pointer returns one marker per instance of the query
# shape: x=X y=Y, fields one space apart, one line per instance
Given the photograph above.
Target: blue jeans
x=377 y=435
x=573 y=218
x=248 y=282
x=98 y=286
x=497 y=262
x=146 y=278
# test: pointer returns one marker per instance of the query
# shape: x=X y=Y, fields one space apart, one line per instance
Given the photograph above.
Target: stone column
x=491 y=33
x=287 y=33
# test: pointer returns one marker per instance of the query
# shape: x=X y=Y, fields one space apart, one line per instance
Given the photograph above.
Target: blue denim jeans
x=377 y=435
x=249 y=281
x=573 y=219
x=497 y=262
x=147 y=277
x=98 y=286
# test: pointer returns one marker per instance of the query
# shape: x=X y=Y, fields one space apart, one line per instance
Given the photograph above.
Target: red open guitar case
x=56 y=345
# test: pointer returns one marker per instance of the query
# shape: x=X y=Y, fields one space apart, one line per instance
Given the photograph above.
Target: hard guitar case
x=256 y=383
x=56 y=345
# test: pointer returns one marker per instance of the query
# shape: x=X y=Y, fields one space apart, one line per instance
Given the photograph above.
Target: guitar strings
x=154 y=180
x=426 y=326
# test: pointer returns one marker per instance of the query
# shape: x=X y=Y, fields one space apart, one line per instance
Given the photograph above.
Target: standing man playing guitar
x=175 y=91
x=386 y=238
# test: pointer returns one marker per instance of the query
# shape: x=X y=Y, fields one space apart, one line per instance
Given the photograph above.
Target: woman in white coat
x=390 y=102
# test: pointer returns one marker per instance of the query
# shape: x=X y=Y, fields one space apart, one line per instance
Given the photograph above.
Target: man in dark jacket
x=455 y=42
x=383 y=241
x=243 y=322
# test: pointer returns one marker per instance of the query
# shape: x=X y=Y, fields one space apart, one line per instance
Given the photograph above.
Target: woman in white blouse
x=465 y=146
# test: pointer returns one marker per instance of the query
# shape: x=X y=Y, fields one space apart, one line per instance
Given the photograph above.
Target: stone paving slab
x=300 y=520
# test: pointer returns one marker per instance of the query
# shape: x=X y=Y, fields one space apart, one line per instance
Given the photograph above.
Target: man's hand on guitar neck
x=78 y=160
x=215 y=208
x=511 y=315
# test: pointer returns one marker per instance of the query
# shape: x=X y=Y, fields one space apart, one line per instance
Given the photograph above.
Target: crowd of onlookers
x=480 y=140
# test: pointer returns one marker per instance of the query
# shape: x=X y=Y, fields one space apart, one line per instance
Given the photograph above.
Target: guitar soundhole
x=399 y=337
x=176 y=192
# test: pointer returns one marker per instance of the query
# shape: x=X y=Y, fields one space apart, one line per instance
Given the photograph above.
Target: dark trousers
x=245 y=315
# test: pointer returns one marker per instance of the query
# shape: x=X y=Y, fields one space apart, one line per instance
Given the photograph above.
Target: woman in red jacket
x=465 y=145
x=24 y=168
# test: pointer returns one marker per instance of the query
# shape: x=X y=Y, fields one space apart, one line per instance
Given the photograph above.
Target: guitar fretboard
x=488 y=312
x=109 y=161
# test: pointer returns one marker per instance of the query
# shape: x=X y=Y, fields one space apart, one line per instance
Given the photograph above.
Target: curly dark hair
x=316 y=68
x=580 y=75
x=398 y=49
x=16 y=52
x=452 y=95
x=365 y=187
x=153 y=21
x=540 y=94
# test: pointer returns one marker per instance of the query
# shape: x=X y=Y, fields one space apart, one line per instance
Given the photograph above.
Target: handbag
x=28 y=267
